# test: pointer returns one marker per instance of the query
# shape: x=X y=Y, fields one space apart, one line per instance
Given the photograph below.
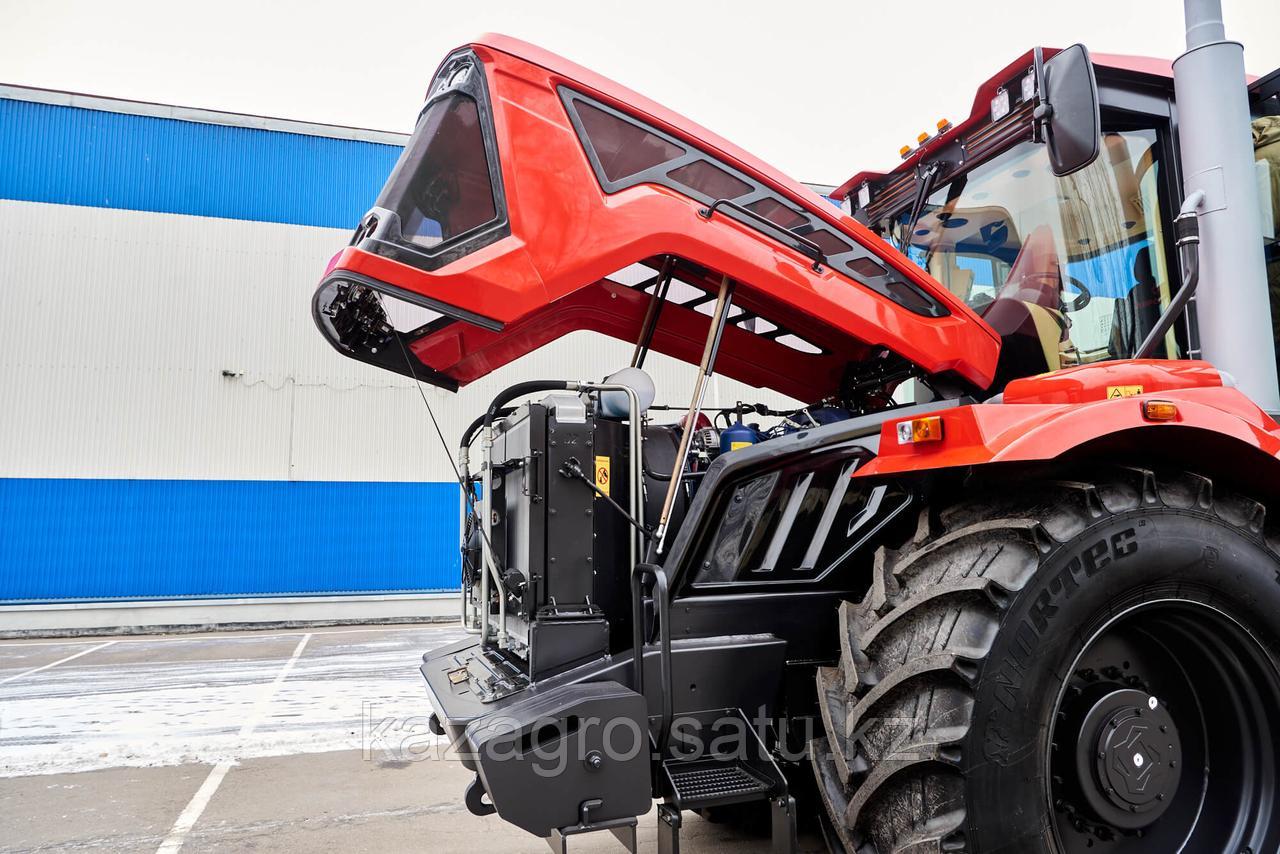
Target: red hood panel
x=549 y=276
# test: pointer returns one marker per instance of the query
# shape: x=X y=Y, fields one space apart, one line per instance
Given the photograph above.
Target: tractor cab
x=1069 y=269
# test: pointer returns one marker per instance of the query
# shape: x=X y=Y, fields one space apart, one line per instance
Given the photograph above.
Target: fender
x=1043 y=418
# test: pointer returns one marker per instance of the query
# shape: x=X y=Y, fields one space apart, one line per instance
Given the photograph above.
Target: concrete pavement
x=257 y=741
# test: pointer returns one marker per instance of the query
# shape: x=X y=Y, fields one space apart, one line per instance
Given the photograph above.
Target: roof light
x=1159 y=410
x=1029 y=86
x=846 y=205
x=920 y=430
x=864 y=199
x=922 y=138
x=944 y=125
x=1000 y=104
x=904 y=152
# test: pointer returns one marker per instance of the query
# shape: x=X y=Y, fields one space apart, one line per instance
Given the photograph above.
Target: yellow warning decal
x=733 y=446
x=1115 y=392
x=602 y=474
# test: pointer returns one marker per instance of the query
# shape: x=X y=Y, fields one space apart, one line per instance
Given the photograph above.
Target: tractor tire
x=1055 y=667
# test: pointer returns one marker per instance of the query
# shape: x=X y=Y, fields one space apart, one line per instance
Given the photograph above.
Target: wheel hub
x=1128 y=759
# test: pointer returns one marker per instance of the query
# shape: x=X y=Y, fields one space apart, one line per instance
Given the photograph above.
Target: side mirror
x=1068 y=110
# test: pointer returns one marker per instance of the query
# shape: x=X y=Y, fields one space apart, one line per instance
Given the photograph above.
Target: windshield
x=1067 y=270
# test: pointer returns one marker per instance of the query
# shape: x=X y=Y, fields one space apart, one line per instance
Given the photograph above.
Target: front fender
x=1038 y=432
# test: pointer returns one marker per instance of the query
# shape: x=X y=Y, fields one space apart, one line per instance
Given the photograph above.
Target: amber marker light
x=919 y=431
x=1159 y=410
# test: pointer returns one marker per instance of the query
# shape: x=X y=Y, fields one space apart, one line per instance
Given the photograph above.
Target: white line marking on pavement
x=56 y=663
x=178 y=833
x=260 y=707
x=172 y=843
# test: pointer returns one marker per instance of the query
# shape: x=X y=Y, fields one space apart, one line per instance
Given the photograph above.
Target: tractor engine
x=553 y=517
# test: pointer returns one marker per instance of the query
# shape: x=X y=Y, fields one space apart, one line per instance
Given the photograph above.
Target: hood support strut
x=707 y=367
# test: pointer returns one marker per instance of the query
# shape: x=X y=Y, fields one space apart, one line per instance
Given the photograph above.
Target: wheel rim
x=1163 y=737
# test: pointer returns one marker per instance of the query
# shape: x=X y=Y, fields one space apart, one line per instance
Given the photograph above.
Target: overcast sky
x=820 y=89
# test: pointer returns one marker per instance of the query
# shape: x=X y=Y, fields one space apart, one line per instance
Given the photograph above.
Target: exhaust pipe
x=1234 y=308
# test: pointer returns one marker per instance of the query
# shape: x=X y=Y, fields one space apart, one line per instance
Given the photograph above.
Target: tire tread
x=898 y=705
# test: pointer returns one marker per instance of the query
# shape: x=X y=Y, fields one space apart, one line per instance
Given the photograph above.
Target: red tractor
x=1003 y=579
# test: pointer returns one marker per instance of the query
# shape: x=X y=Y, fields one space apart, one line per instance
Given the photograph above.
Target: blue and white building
x=176 y=439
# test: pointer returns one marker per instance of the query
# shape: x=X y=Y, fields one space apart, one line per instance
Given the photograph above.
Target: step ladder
x=739 y=770
x=721 y=759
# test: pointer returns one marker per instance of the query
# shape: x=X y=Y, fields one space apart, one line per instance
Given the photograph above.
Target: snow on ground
x=167 y=701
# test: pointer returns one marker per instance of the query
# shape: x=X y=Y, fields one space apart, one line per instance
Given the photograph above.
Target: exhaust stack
x=1233 y=309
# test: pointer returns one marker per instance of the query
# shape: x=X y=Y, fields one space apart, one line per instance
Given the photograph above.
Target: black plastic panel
x=699 y=176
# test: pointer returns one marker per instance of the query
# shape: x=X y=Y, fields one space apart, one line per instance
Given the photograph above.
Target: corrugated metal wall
x=76 y=156
x=141 y=258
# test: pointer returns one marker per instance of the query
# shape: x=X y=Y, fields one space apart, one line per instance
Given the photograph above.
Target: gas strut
x=705 y=370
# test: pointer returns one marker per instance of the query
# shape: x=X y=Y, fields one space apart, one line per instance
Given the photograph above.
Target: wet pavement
x=289 y=741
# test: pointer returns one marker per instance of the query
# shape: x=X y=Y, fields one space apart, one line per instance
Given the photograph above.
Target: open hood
x=537 y=198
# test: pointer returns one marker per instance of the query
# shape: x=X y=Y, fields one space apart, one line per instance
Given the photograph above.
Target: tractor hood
x=537 y=198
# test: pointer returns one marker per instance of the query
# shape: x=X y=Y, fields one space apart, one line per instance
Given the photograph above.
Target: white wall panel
x=120 y=324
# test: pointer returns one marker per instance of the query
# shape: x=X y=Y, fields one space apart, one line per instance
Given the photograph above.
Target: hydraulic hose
x=469 y=435
x=520 y=390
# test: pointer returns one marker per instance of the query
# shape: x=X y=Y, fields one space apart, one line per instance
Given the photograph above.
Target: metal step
x=709 y=782
x=725 y=762
x=719 y=760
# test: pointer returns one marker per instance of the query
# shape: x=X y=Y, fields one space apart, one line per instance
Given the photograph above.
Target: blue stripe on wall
x=76 y=156
x=69 y=539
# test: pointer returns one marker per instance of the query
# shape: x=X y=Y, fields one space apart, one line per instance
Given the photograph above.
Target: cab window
x=1067 y=270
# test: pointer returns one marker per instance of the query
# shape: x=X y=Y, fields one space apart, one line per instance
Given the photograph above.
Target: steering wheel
x=1081 y=299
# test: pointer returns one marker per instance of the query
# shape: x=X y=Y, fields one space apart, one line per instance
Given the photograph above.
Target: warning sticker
x=1115 y=392
x=602 y=474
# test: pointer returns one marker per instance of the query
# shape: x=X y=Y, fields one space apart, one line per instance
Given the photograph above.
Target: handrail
x=1186 y=228
x=635 y=420
x=663 y=604
x=803 y=244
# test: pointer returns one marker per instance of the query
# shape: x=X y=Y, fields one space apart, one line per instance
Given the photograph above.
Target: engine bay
x=561 y=503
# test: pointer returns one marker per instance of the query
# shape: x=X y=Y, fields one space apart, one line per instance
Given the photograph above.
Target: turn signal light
x=920 y=430
x=1159 y=410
